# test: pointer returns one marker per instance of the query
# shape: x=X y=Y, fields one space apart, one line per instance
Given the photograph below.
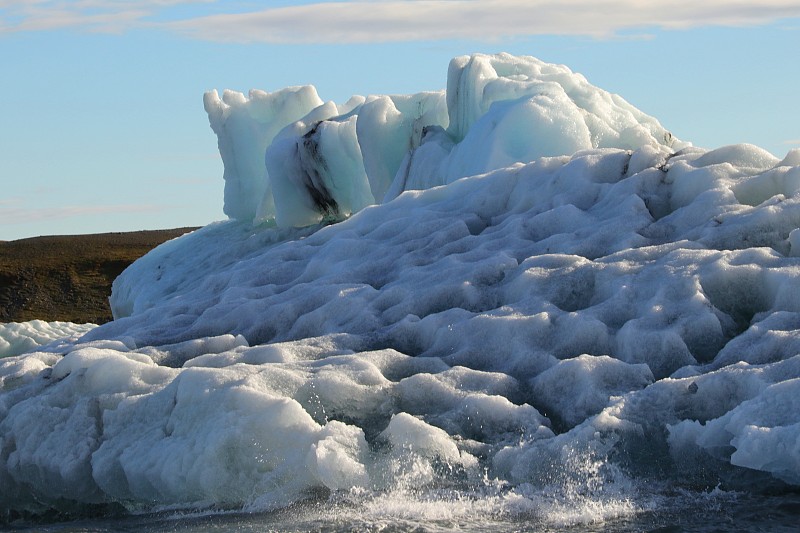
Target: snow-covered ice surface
x=520 y=298
x=21 y=337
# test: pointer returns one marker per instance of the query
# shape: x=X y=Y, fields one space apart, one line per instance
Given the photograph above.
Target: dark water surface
x=681 y=511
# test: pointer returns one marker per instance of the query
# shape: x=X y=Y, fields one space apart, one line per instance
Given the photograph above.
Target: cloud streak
x=371 y=21
x=387 y=21
x=102 y=16
x=24 y=215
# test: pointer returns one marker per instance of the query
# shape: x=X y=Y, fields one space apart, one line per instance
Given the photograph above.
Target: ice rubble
x=592 y=300
x=21 y=337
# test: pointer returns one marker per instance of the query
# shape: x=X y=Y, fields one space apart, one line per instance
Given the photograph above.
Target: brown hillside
x=68 y=278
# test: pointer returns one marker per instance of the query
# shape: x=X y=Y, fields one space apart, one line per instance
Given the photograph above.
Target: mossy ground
x=68 y=278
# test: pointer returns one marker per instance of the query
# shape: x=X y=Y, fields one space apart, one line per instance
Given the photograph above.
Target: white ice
x=325 y=161
x=556 y=298
x=20 y=337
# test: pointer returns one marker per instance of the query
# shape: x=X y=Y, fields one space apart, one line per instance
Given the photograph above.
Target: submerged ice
x=522 y=283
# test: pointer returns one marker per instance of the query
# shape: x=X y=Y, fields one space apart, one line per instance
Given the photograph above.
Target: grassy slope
x=68 y=278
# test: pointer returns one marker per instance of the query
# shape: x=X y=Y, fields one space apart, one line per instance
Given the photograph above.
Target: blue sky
x=103 y=127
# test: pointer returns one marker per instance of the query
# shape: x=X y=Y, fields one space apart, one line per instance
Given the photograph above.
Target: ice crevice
x=520 y=282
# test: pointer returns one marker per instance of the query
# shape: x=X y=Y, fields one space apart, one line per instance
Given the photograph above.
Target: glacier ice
x=328 y=161
x=522 y=282
x=20 y=337
x=244 y=128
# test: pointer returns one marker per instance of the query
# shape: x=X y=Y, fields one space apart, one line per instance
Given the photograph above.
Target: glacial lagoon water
x=665 y=508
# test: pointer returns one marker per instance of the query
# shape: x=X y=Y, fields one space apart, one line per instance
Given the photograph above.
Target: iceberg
x=521 y=286
x=327 y=160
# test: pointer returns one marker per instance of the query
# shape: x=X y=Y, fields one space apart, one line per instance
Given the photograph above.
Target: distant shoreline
x=134 y=236
x=68 y=277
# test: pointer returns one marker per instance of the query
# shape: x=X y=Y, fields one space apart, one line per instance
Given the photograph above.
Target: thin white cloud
x=26 y=215
x=368 y=21
x=795 y=142
x=107 y=16
x=384 y=21
x=101 y=22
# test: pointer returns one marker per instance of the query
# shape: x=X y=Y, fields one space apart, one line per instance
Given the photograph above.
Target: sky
x=102 y=126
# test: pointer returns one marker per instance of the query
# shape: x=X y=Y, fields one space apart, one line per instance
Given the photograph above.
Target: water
x=666 y=511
